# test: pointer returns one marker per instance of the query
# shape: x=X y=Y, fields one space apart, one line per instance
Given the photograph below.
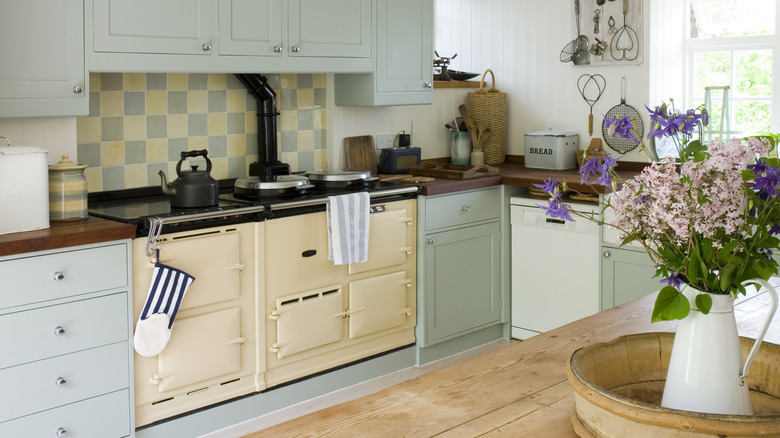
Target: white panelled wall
x=521 y=41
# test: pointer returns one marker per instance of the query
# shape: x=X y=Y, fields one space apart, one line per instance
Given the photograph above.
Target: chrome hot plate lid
x=344 y=176
x=274 y=183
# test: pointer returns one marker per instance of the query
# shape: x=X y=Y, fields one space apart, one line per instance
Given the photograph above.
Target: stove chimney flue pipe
x=258 y=87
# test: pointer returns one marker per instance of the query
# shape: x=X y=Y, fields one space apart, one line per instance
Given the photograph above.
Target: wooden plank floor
x=516 y=391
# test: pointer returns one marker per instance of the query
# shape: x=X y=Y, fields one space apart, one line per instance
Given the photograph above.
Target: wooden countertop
x=518 y=390
x=516 y=174
x=65 y=234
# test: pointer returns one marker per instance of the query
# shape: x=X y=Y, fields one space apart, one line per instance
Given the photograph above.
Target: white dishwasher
x=555 y=267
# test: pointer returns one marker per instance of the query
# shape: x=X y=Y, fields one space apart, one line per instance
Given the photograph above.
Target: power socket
x=384 y=141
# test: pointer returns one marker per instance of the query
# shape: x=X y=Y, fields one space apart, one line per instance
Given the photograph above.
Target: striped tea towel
x=153 y=329
x=348 y=228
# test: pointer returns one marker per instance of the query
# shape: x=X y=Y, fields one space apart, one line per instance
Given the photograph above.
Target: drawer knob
x=59 y=330
x=206 y=47
x=431 y=241
x=607 y=254
x=58 y=276
x=428 y=85
x=466 y=208
x=277 y=49
x=61 y=431
x=296 y=49
x=60 y=381
x=78 y=89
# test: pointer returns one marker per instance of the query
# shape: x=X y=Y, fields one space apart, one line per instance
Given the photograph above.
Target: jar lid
x=66 y=164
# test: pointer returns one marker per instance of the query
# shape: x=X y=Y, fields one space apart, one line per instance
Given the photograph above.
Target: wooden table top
x=518 y=390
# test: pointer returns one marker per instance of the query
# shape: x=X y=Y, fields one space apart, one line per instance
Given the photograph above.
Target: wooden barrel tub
x=618 y=387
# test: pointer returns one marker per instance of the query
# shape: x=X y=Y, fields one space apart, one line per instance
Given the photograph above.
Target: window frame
x=732 y=44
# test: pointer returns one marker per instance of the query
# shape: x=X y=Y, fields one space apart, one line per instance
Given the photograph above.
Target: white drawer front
x=462 y=208
x=35 y=279
x=87 y=374
x=104 y=416
x=66 y=328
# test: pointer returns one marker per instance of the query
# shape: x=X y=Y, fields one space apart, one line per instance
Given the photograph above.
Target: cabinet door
x=152 y=26
x=250 y=27
x=625 y=275
x=42 y=72
x=336 y=28
x=387 y=240
x=462 y=283
x=404 y=46
x=308 y=320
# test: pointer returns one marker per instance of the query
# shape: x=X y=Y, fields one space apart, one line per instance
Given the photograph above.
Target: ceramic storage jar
x=67 y=191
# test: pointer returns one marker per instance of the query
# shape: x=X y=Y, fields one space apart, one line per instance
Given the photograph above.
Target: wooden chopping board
x=360 y=153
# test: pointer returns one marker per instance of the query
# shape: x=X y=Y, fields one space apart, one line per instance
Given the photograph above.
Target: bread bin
x=67 y=191
x=551 y=149
x=24 y=191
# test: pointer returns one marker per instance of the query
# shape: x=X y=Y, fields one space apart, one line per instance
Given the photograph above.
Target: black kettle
x=192 y=188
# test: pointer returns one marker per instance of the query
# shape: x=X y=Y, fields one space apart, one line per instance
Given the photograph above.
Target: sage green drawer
x=56 y=330
x=36 y=387
x=462 y=208
x=59 y=275
x=105 y=416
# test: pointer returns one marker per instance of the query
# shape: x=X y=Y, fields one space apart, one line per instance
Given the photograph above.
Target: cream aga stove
x=267 y=305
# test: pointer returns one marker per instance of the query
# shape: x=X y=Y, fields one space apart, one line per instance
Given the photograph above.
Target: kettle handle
x=754 y=350
x=185 y=154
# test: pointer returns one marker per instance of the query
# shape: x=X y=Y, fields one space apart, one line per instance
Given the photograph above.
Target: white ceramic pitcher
x=706 y=373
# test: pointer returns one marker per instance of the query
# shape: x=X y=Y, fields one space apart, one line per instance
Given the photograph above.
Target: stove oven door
x=378 y=303
x=387 y=238
x=308 y=320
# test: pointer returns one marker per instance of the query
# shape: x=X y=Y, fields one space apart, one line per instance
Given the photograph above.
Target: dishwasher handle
x=555 y=221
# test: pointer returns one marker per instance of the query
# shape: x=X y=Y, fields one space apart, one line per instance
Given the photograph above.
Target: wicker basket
x=490 y=106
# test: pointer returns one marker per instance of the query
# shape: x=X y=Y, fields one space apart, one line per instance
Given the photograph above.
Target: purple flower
x=759 y=167
x=549 y=187
x=775 y=229
x=589 y=169
x=557 y=209
x=673 y=280
x=767 y=183
x=620 y=127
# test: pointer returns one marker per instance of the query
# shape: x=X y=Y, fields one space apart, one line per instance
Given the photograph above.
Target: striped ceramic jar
x=67 y=191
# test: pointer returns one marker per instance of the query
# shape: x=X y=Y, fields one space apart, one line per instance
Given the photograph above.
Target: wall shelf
x=455 y=84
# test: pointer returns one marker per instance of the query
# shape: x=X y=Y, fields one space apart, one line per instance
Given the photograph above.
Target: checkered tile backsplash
x=138 y=124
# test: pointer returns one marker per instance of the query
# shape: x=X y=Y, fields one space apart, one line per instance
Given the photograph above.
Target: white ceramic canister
x=67 y=191
x=24 y=198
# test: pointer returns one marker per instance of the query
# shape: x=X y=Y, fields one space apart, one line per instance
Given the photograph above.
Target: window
x=730 y=56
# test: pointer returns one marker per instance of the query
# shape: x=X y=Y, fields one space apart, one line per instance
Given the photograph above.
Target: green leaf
x=707 y=252
x=700 y=156
x=724 y=255
x=704 y=303
x=694 y=266
x=669 y=305
x=727 y=276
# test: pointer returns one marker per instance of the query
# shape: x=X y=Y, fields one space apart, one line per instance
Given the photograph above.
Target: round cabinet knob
x=206 y=47
x=277 y=49
x=295 y=49
x=60 y=381
x=78 y=89
x=428 y=85
x=607 y=254
x=59 y=330
x=430 y=241
x=58 y=276
x=61 y=431
x=466 y=208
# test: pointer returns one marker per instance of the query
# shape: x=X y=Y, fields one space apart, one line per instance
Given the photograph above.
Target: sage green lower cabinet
x=462 y=271
x=626 y=274
x=66 y=367
x=462 y=281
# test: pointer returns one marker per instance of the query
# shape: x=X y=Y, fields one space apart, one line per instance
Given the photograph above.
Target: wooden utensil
x=468 y=119
x=360 y=153
x=483 y=138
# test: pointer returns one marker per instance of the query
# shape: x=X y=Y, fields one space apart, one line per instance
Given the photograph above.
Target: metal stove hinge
x=155 y=228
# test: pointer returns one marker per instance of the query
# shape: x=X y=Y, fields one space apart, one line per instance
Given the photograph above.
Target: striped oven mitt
x=153 y=329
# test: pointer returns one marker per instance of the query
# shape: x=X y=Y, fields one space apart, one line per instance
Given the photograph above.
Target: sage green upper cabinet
x=232 y=36
x=153 y=26
x=250 y=27
x=332 y=28
x=43 y=69
x=404 y=59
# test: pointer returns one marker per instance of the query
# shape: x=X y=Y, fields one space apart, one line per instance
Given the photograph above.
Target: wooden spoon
x=468 y=119
x=483 y=138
